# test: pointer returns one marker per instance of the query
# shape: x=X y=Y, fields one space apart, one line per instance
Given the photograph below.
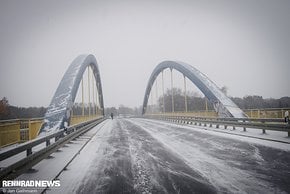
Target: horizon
x=243 y=45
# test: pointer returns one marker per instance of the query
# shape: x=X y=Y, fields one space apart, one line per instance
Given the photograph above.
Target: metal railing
x=251 y=113
x=266 y=112
x=76 y=119
x=60 y=138
x=22 y=130
x=19 y=130
x=264 y=124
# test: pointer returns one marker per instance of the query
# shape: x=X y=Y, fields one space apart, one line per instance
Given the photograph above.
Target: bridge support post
x=185 y=97
x=93 y=107
x=206 y=108
x=47 y=142
x=172 y=97
x=97 y=99
x=156 y=88
x=28 y=151
x=89 y=91
x=83 y=105
x=163 y=92
x=151 y=94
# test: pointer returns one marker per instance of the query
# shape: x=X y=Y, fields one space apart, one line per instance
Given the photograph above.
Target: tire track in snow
x=157 y=170
x=231 y=168
x=112 y=170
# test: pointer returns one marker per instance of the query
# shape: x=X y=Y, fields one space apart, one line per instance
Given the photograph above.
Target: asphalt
x=135 y=162
x=142 y=156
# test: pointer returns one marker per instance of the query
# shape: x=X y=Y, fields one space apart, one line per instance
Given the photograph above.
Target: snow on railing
x=52 y=142
x=264 y=123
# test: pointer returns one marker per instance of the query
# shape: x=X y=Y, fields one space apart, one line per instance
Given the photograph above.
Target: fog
x=244 y=45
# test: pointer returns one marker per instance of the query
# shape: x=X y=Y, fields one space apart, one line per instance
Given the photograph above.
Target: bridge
x=164 y=150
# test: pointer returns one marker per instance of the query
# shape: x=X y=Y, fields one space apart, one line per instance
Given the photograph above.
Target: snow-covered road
x=146 y=156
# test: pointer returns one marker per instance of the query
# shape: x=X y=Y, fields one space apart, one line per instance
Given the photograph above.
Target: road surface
x=133 y=155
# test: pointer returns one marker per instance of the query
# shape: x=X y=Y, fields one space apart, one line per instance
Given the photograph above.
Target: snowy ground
x=147 y=156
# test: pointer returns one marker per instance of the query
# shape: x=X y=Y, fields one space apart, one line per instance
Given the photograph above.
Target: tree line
x=195 y=102
x=258 y=102
x=8 y=111
x=13 y=112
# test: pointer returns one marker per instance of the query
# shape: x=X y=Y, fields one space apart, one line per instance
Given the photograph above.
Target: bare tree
x=4 y=106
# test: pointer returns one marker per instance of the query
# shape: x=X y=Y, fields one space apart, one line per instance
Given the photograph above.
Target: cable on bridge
x=223 y=105
x=59 y=111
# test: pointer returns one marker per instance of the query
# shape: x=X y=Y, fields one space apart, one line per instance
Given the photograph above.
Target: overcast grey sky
x=244 y=45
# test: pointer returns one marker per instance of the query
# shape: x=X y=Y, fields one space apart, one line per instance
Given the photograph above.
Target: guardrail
x=60 y=138
x=264 y=124
x=201 y=113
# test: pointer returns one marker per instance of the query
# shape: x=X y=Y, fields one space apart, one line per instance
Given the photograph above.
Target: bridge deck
x=145 y=156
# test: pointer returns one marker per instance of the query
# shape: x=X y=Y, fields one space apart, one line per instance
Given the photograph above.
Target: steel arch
x=58 y=111
x=223 y=105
